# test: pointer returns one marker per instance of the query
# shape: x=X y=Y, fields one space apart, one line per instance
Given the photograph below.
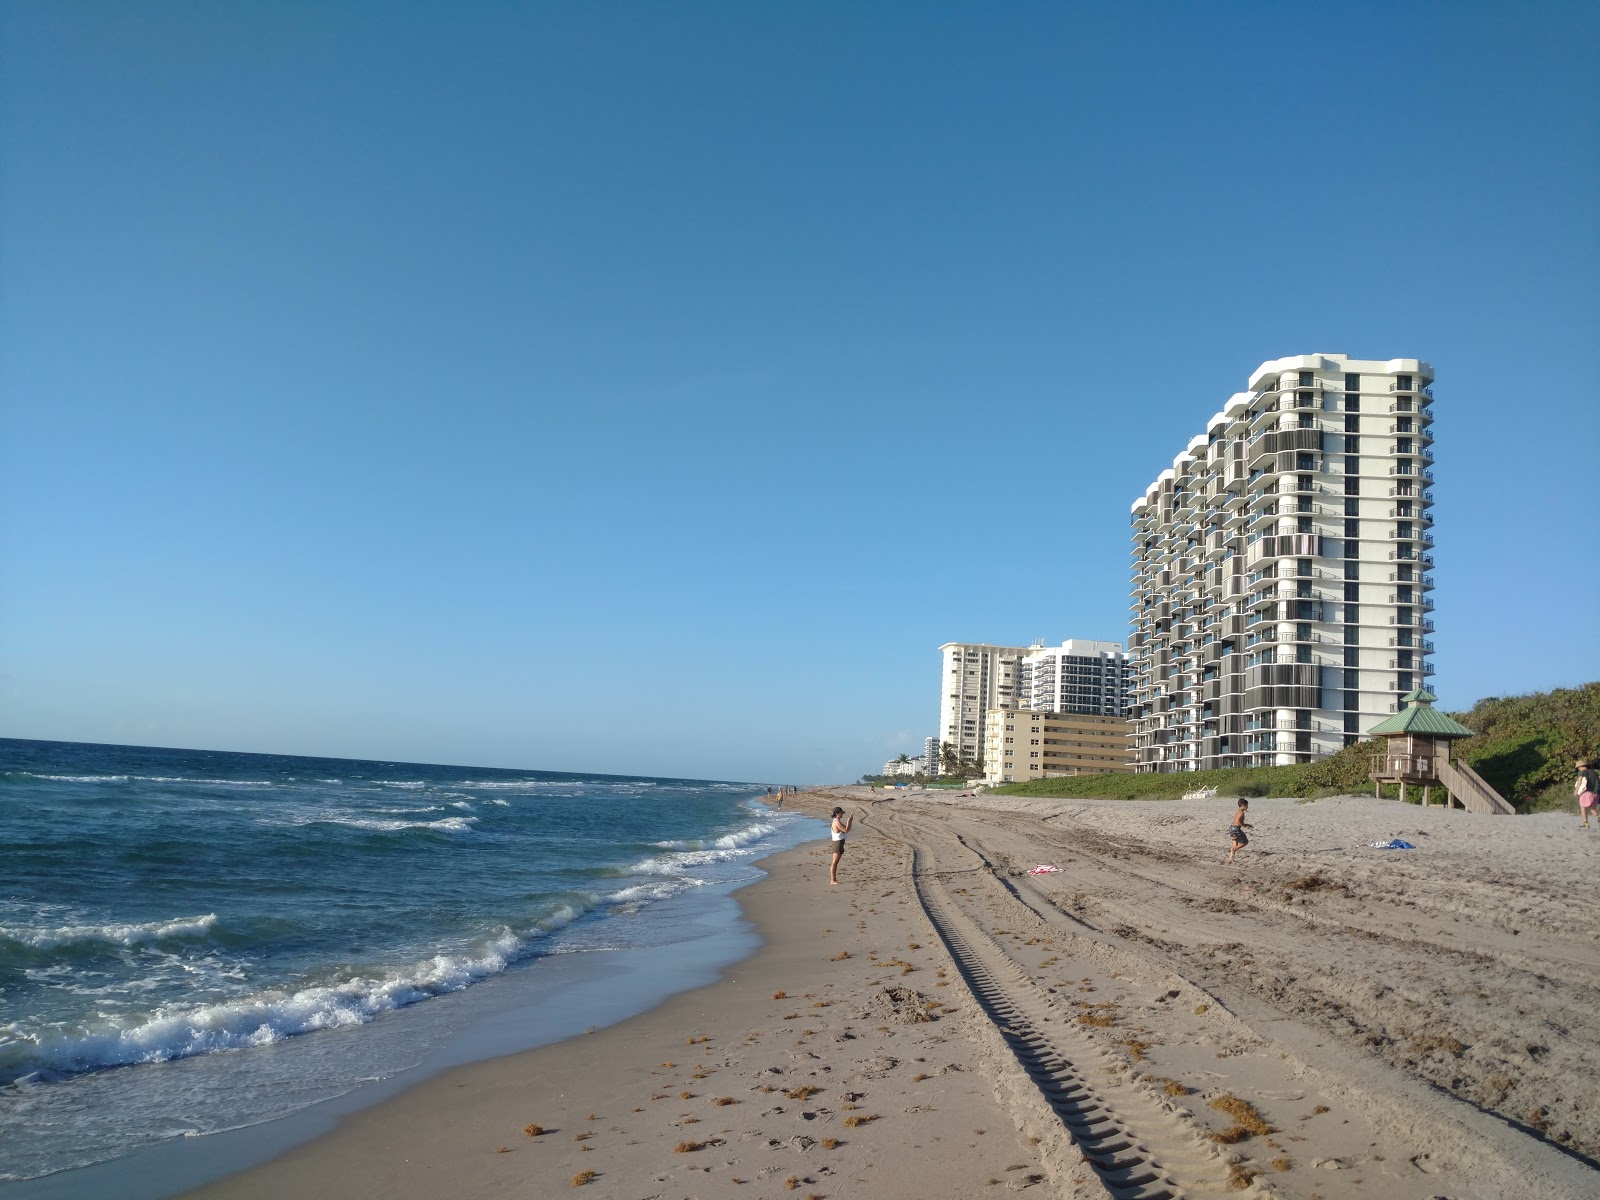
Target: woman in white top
x=841 y=826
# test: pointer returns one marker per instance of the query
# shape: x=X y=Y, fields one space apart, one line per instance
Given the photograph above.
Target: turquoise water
x=195 y=941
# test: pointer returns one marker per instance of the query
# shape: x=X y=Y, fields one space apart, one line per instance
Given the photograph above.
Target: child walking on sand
x=1236 y=837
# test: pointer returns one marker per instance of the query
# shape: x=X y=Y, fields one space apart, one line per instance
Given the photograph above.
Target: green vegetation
x=1524 y=747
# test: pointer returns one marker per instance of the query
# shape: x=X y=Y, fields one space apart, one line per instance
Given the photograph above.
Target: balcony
x=1406 y=642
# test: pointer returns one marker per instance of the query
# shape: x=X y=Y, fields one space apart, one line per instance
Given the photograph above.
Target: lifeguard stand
x=1418 y=752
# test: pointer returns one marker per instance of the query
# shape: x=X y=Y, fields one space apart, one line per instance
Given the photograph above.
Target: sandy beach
x=1321 y=1019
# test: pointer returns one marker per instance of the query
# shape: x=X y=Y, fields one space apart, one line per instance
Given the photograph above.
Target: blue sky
x=631 y=387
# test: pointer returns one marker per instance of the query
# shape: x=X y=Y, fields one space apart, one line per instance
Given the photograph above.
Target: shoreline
x=552 y=998
x=668 y=1096
x=1322 y=1019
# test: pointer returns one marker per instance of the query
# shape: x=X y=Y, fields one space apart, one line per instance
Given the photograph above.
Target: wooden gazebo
x=1418 y=741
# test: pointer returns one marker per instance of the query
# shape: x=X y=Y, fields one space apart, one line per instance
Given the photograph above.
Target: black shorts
x=1238 y=836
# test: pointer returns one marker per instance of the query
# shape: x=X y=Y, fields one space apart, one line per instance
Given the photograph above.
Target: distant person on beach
x=1587 y=789
x=841 y=826
x=1236 y=838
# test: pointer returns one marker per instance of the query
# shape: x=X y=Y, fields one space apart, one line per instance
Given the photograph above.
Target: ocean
x=193 y=941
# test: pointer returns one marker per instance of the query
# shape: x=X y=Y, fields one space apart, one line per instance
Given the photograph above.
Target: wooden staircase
x=1467 y=786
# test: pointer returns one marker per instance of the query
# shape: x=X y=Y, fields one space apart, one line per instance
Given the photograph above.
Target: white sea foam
x=461 y=804
x=48 y=938
x=497 y=800
x=404 y=783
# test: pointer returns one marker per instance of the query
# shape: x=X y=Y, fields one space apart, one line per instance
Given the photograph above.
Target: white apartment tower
x=1281 y=568
x=974 y=678
x=1078 y=676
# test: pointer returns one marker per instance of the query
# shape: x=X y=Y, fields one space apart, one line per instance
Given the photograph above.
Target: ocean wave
x=110 y=934
x=404 y=783
x=216 y=782
x=522 y=784
x=660 y=889
x=497 y=800
x=78 y=778
x=257 y=1020
x=685 y=860
x=153 y=779
x=445 y=824
x=727 y=841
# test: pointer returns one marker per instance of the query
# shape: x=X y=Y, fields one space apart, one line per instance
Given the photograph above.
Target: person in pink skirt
x=1587 y=788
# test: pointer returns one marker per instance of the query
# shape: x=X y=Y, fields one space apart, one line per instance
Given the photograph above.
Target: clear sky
x=633 y=387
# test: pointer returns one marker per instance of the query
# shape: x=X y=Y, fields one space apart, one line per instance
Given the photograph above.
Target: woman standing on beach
x=1236 y=838
x=1587 y=789
x=841 y=826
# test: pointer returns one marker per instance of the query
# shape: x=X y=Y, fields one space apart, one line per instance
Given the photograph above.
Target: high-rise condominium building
x=974 y=678
x=1078 y=676
x=1281 y=568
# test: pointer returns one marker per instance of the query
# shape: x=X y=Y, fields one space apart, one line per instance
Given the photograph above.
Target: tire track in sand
x=1140 y=1147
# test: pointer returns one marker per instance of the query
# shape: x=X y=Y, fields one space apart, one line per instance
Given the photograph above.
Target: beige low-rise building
x=1022 y=744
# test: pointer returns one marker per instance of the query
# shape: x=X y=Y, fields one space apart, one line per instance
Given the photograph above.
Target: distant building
x=1282 y=574
x=930 y=755
x=1078 y=676
x=910 y=767
x=1021 y=744
x=974 y=678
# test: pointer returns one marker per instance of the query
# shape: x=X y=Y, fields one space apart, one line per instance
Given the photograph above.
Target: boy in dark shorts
x=1236 y=838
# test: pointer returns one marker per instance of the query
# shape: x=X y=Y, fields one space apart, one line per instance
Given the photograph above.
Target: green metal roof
x=1419 y=716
